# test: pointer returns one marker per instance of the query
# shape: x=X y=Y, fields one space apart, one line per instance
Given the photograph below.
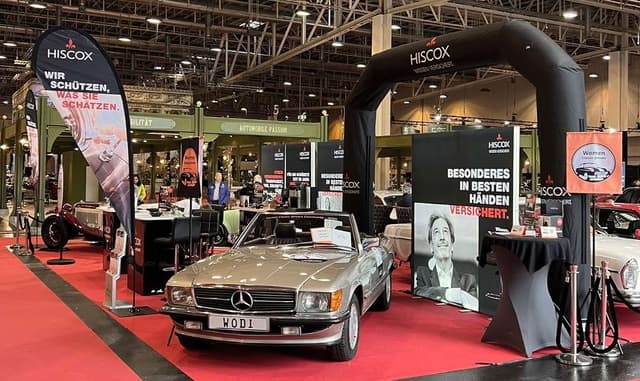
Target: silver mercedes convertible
x=291 y=278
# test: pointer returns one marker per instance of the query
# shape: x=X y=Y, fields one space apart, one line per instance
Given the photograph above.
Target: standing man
x=439 y=279
x=218 y=191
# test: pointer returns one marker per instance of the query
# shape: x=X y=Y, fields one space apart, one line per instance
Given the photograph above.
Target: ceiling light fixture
x=394 y=92
x=5 y=102
x=443 y=96
x=153 y=20
x=395 y=27
x=606 y=57
x=432 y=86
x=312 y=95
x=287 y=83
x=337 y=44
x=158 y=67
x=593 y=75
x=303 y=12
x=285 y=100
x=185 y=62
x=3 y=57
x=361 y=66
x=124 y=39
x=330 y=104
x=37 y=5
x=406 y=102
x=570 y=14
x=216 y=49
x=9 y=44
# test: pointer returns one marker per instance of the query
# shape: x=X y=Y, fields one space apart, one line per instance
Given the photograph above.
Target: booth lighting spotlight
x=337 y=44
x=612 y=130
x=506 y=123
x=606 y=57
x=330 y=104
x=4 y=147
x=138 y=161
x=437 y=118
x=76 y=149
x=5 y=102
x=432 y=86
x=477 y=121
x=185 y=62
x=244 y=109
x=443 y=96
x=144 y=140
x=124 y=39
x=570 y=14
x=214 y=101
x=287 y=83
x=161 y=136
x=158 y=67
x=259 y=90
x=176 y=137
x=9 y=44
x=593 y=75
x=3 y=57
x=153 y=20
x=394 y=92
x=361 y=66
x=134 y=140
x=285 y=100
x=216 y=49
x=406 y=102
x=395 y=27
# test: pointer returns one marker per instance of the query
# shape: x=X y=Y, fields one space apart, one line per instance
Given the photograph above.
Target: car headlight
x=180 y=295
x=319 y=301
x=629 y=274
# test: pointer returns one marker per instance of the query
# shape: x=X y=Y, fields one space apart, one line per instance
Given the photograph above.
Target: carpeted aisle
x=415 y=337
x=42 y=338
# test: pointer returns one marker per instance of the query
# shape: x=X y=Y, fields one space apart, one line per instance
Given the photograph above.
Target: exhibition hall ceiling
x=242 y=57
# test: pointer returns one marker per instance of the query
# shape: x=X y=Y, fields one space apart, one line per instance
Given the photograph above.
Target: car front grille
x=263 y=300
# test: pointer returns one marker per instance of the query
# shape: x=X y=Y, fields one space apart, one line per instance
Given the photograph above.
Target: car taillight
x=629 y=274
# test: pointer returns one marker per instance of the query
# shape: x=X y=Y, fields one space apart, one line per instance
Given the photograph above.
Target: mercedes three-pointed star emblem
x=241 y=300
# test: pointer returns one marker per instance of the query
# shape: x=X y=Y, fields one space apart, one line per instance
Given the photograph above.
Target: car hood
x=616 y=250
x=286 y=266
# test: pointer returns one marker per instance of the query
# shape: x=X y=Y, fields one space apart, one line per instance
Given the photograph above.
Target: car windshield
x=631 y=196
x=317 y=229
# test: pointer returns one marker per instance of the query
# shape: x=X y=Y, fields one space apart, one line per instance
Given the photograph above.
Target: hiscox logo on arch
x=430 y=54
x=69 y=53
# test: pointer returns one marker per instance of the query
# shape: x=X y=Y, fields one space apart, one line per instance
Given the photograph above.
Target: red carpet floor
x=415 y=337
x=42 y=338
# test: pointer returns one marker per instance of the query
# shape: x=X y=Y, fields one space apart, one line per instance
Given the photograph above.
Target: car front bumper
x=313 y=330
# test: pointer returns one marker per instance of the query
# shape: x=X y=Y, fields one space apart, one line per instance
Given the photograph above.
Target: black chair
x=208 y=227
x=381 y=217
x=285 y=234
x=179 y=238
x=404 y=214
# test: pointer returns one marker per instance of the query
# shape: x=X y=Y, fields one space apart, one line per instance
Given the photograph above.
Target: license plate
x=239 y=323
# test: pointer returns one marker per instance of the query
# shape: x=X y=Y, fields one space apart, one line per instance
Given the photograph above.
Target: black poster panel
x=81 y=82
x=560 y=103
x=298 y=164
x=469 y=180
x=272 y=167
x=190 y=181
x=31 y=116
x=329 y=166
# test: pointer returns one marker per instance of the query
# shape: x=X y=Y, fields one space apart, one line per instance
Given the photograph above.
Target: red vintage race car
x=63 y=224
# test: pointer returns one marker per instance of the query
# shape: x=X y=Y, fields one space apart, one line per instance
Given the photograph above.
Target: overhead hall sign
x=83 y=86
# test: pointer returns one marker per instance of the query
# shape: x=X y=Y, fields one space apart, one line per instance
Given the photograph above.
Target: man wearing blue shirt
x=218 y=191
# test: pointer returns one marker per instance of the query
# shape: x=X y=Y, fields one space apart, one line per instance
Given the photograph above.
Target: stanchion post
x=17 y=245
x=573 y=358
x=604 y=296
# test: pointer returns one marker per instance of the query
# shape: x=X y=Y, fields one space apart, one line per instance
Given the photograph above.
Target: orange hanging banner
x=594 y=162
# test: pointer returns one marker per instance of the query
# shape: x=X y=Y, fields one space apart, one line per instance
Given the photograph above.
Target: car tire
x=191 y=343
x=54 y=232
x=384 y=300
x=347 y=347
x=220 y=238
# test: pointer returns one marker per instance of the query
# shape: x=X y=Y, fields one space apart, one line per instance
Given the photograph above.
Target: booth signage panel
x=190 y=182
x=31 y=116
x=273 y=161
x=470 y=178
x=264 y=129
x=298 y=164
x=594 y=162
x=151 y=123
x=329 y=165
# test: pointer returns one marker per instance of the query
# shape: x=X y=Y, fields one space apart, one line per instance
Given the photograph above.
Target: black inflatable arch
x=559 y=84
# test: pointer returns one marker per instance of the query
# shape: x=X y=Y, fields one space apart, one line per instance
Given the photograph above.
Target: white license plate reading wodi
x=239 y=323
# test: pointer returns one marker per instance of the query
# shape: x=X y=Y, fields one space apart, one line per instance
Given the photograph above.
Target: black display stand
x=61 y=261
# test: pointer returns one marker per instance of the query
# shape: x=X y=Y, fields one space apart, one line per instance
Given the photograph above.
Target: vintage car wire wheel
x=54 y=232
x=347 y=347
x=220 y=237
